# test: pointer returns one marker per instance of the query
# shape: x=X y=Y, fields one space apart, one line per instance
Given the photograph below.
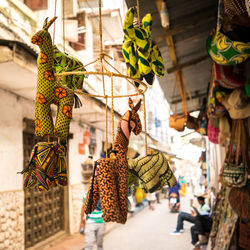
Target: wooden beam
x=176 y=101
x=190 y=23
x=187 y=64
x=173 y=57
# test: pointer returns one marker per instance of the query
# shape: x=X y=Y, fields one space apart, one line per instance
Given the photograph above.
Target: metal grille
x=44 y=210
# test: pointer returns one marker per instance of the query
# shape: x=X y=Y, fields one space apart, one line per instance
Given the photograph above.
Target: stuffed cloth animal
x=49 y=91
x=47 y=166
x=153 y=171
x=141 y=54
x=65 y=63
x=110 y=180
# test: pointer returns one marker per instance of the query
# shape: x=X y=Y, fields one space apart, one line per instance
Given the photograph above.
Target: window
x=81 y=43
x=37 y=4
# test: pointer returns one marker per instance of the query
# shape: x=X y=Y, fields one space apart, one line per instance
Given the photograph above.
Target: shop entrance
x=44 y=211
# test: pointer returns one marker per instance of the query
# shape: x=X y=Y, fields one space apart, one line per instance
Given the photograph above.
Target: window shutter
x=37 y=4
x=69 y=8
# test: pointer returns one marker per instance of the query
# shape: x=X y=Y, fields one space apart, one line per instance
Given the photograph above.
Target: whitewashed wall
x=14 y=108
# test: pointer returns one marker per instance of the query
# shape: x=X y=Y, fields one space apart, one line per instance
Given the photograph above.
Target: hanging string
x=54 y=23
x=101 y=46
x=112 y=111
x=63 y=26
x=106 y=130
x=145 y=124
x=100 y=25
x=138 y=13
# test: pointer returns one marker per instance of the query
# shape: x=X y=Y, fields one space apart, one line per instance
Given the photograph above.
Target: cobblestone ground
x=147 y=230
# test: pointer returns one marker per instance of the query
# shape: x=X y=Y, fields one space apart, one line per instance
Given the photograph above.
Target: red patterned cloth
x=213 y=133
x=229 y=76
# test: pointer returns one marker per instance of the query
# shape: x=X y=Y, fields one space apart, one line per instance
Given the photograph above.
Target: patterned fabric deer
x=49 y=91
x=110 y=180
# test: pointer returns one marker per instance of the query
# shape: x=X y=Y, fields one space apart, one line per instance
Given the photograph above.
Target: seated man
x=204 y=210
x=202 y=226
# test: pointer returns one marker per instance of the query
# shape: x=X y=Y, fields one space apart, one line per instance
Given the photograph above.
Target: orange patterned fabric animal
x=110 y=179
x=49 y=91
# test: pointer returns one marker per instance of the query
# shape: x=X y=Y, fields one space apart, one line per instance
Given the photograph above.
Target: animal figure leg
x=130 y=59
x=108 y=187
x=92 y=197
x=60 y=175
x=65 y=98
x=123 y=191
x=44 y=121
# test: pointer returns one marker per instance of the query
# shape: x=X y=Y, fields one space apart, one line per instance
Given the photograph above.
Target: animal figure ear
x=137 y=106
x=130 y=103
x=47 y=24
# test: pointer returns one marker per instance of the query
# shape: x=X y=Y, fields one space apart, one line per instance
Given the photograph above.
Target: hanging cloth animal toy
x=110 y=177
x=65 y=63
x=153 y=171
x=142 y=55
x=47 y=166
x=49 y=91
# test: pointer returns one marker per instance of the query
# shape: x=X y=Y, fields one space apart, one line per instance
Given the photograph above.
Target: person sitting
x=200 y=230
x=183 y=216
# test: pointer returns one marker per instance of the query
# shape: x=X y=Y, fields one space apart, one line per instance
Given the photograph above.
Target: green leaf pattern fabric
x=224 y=51
x=65 y=63
x=141 y=54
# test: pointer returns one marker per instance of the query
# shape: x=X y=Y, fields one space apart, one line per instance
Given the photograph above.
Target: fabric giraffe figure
x=49 y=90
x=110 y=180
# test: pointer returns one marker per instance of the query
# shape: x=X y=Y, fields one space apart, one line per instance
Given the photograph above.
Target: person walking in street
x=92 y=226
x=151 y=200
x=182 y=216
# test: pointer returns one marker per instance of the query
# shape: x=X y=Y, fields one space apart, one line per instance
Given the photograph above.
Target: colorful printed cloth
x=141 y=54
x=49 y=90
x=225 y=51
x=153 y=171
x=65 y=63
x=229 y=76
x=47 y=166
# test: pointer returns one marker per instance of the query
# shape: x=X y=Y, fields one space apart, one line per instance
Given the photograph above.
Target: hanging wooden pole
x=112 y=111
x=138 y=13
x=145 y=124
x=54 y=23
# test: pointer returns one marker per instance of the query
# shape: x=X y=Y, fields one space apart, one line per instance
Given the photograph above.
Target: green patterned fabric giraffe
x=49 y=91
x=141 y=53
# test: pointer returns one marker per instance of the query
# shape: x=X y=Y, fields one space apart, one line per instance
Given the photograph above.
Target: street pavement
x=147 y=230
x=150 y=230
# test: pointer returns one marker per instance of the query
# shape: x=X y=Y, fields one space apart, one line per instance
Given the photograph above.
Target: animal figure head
x=133 y=119
x=43 y=34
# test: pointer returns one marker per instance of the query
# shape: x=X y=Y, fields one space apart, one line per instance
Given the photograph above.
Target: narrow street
x=147 y=230
x=150 y=230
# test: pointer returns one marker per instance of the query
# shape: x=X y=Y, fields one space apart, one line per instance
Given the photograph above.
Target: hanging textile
x=47 y=166
x=142 y=55
x=153 y=171
x=224 y=51
x=65 y=63
x=223 y=224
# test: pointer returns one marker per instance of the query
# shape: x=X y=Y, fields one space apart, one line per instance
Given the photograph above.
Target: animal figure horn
x=137 y=106
x=130 y=103
x=47 y=24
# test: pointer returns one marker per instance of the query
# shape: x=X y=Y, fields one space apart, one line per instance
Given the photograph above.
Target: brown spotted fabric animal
x=110 y=179
x=49 y=91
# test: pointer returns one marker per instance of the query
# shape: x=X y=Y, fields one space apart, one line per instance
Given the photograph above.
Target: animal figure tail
x=78 y=103
x=93 y=194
